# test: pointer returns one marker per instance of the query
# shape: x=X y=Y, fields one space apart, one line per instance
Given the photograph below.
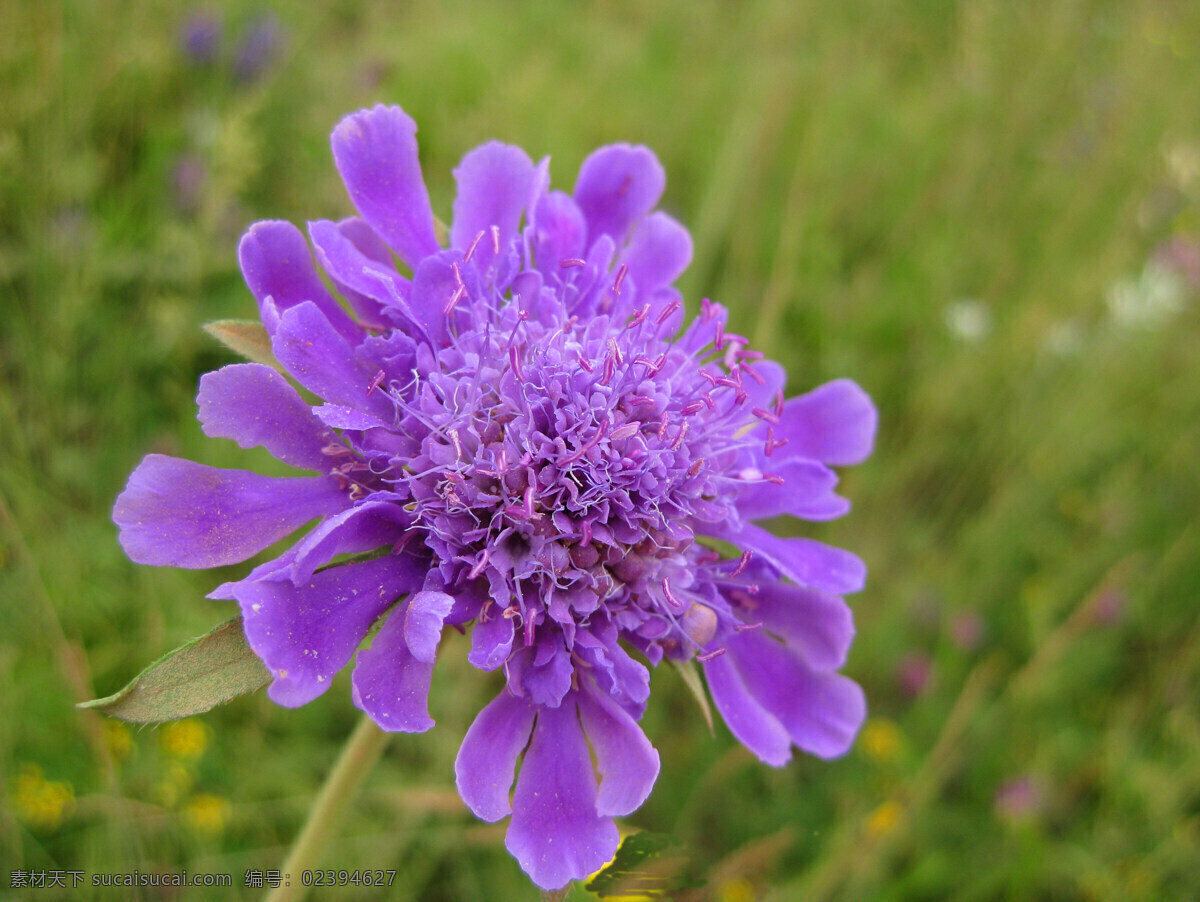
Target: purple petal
x=491 y=642
x=628 y=762
x=376 y=153
x=366 y=240
x=434 y=284
x=323 y=362
x=834 y=423
x=176 y=513
x=253 y=405
x=368 y=283
x=804 y=561
x=560 y=233
x=821 y=711
x=277 y=264
x=423 y=619
x=391 y=678
x=494 y=184
x=805 y=484
x=339 y=416
x=755 y=727
x=658 y=252
x=828 y=507
x=549 y=680
x=487 y=759
x=365 y=527
x=763 y=393
x=556 y=835
x=819 y=627
x=617 y=186
x=306 y=634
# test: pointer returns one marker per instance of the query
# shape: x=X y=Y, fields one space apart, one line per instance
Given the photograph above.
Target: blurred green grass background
x=985 y=212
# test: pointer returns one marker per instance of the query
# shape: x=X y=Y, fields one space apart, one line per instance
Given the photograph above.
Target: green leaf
x=646 y=864
x=246 y=337
x=691 y=678
x=199 y=675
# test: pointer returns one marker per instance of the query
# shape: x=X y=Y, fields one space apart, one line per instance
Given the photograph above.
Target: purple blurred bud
x=1109 y=607
x=200 y=37
x=913 y=673
x=967 y=629
x=258 y=48
x=1020 y=799
x=188 y=178
x=1181 y=255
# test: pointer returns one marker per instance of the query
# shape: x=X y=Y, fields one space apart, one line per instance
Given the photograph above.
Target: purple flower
x=258 y=48
x=523 y=440
x=200 y=37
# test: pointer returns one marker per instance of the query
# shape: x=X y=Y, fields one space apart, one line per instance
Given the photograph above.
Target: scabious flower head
x=519 y=437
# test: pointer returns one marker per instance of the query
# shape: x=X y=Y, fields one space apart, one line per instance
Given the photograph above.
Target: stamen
x=474 y=244
x=779 y=403
x=624 y=431
x=515 y=359
x=568 y=262
x=710 y=655
x=683 y=430
x=587 y=365
x=692 y=407
x=666 y=312
x=374 y=384
x=662 y=426
x=774 y=478
x=756 y=375
x=708 y=399
x=529 y=501
x=747 y=627
x=719 y=338
x=640 y=400
x=696 y=466
x=621 y=273
x=458 y=280
x=496 y=238
x=454 y=298
x=614 y=351
x=765 y=415
x=651 y=366
x=638 y=318
x=671 y=599
x=772 y=442
x=457 y=446
x=706 y=310
x=742 y=564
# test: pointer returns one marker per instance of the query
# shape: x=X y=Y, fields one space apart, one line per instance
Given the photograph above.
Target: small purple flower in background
x=967 y=630
x=1020 y=800
x=200 y=37
x=522 y=438
x=258 y=49
x=189 y=176
x=914 y=673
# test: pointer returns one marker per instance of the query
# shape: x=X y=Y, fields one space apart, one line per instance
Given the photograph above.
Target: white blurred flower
x=1147 y=301
x=968 y=319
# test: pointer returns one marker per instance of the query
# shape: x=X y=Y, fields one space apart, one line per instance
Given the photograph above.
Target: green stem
x=361 y=751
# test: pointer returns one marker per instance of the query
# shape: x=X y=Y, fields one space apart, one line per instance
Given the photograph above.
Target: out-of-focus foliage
x=985 y=212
